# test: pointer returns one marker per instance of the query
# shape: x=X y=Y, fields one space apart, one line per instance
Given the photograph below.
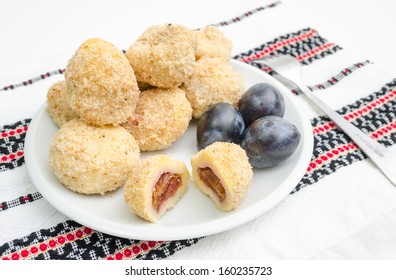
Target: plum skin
x=261 y=100
x=221 y=122
x=270 y=140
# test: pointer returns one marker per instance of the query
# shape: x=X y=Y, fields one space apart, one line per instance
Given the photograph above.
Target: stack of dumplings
x=92 y=153
x=112 y=106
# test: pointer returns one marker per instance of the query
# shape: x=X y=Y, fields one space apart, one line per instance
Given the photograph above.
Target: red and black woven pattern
x=33 y=80
x=333 y=149
x=246 y=14
x=70 y=240
x=306 y=45
x=338 y=77
x=5 y=205
x=12 y=138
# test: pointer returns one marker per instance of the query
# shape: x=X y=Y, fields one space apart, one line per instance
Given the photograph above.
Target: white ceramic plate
x=195 y=214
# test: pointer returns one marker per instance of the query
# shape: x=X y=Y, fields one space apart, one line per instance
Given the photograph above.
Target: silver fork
x=290 y=69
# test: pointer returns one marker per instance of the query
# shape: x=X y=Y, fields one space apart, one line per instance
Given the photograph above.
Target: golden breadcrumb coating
x=164 y=55
x=101 y=84
x=90 y=159
x=213 y=81
x=57 y=105
x=141 y=185
x=231 y=166
x=161 y=117
x=211 y=42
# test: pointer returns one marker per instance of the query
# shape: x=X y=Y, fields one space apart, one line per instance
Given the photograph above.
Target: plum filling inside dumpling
x=166 y=187
x=222 y=172
x=155 y=186
x=211 y=181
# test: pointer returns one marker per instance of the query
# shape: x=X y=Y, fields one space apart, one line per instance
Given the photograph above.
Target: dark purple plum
x=270 y=140
x=221 y=122
x=261 y=100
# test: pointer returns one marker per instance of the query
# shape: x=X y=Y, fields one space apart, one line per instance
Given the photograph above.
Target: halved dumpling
x=155 y=186
x=223 y=172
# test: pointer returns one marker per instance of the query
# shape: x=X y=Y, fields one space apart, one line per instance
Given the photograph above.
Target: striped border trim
x=336 y=78
x=45 y=241
x=12 y=140
x=134 y=251
x=330 y=82
x=368 y=108
x=372 y=113
x=20 y=201
x=306 y=45
x=246 y=14
x=13 y=130
x=33 y=80
x=70 y=240
x=384 y=131
x=278 y=44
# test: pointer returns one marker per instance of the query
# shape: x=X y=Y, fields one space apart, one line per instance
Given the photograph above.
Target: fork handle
x=379 y=154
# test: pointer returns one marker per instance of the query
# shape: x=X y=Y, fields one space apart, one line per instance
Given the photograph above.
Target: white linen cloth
x=347 y=214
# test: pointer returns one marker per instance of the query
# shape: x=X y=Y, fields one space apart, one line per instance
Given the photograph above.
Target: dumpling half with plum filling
x=223 y=172
x=155 y=186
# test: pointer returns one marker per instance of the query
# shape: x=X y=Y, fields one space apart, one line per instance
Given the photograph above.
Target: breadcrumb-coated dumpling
x=57 y=105
x=164 y=55
x=222 y=171
x=101 y=84
x=213 y=81
x=155 y=186
x=211 y=42
x=161 y=117
x=91 y=159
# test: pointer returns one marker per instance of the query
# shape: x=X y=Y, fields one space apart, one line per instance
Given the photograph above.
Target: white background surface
x=31 y=32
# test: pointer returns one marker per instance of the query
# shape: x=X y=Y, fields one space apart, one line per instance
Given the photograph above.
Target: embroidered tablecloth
x=340 y=193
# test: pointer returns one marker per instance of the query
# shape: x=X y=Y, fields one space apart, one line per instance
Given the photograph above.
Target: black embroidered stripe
x=329 y=168
x=20 y=201
x=12 y=140
x=322 y=54
x=33 y=80
x=246 y=14
x=337 y=78
x=168 y=248
x=11 y=131
x=298 y=43
x=330 y=82
x=92 y=246
x=4 y=166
